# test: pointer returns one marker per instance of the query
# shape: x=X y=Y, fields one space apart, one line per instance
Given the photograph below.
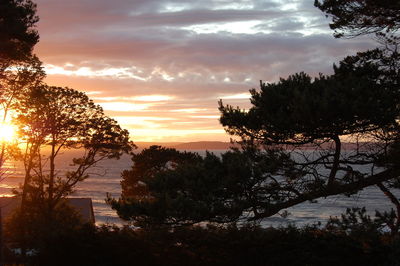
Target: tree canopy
x=19 y=69
x=308 y=121
x=17 y=30
x=300 y=110
x=166 y=186
x=357 y=17
x=54 y=119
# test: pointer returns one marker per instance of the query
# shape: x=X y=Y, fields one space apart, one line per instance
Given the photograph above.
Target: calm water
x=106 y=178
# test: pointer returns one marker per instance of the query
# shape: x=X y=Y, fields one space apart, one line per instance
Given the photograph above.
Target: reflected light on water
x=6 y=195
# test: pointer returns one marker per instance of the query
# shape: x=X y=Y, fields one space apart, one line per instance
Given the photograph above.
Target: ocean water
x=106 y=176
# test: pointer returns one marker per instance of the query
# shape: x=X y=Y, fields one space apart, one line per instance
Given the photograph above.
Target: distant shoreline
x=220 y=145
x=197 y=145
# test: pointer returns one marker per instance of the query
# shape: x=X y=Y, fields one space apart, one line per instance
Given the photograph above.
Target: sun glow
x=7 y=133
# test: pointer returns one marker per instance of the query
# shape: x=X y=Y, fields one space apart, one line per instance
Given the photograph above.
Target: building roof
x=83 y=206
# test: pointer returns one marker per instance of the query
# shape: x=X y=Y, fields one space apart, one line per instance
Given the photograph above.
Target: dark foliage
x=34 y=228
x=17 y=30
x=308 y=119
x=299 y=110
x=148 y=163
x=216 y=246
x=358 y=17
x=168 y=187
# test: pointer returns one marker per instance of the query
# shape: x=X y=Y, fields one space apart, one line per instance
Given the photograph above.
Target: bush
x=249 y=245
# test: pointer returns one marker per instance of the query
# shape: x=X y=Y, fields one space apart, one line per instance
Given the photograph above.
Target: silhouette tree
x=148 y=163
x=305 y=121
x=166 y=187
x=169 y=187
x=354 y=17
x=380 y=18
x=19 y=69
x=52 y=120
x=17 y=31
x=17 y=38
x=15 y=82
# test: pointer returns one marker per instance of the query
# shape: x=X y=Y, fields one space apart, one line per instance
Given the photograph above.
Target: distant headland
x=197 y=145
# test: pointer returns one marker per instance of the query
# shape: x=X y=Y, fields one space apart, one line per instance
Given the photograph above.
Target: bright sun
x=7 y=133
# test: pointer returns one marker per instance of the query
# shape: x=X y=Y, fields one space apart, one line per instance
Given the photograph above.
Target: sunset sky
x=160 y=67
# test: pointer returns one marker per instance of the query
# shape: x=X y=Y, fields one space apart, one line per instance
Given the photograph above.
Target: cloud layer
x=159 y=67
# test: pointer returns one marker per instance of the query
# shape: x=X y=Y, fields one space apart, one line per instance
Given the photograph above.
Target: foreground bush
x=217 y=246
